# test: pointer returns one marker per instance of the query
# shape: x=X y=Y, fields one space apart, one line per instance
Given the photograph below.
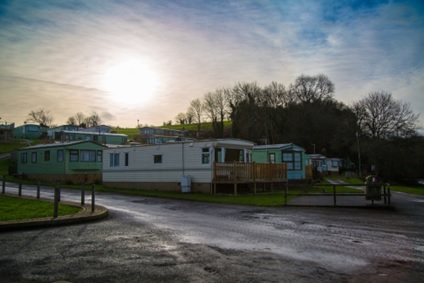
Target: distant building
x=30 y=131
x=152 y=135
x=102 y=138
x=54 y=133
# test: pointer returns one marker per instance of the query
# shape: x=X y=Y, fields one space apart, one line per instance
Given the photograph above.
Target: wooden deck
x=248 y=173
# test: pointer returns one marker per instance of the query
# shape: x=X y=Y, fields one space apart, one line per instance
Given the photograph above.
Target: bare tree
x=216 y=108
x=181 y=118
x=195 y=110
x=380 y=116
x=41 y=116
x=312 y=88
x=93 y=120
x=78 y=119
x=276 y=95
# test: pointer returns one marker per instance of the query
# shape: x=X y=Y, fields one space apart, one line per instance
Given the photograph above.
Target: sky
x=142 y=62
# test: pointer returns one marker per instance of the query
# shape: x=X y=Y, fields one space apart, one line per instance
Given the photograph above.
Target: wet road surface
x=159 y=240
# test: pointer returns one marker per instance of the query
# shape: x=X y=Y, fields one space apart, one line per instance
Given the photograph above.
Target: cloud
x=54 y=51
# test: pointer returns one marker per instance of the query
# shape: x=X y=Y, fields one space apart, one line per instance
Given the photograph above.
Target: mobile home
x=289 y=153
x=78 y=161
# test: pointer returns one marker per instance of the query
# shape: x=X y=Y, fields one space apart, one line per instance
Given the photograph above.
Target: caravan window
x=59 y=156
x=205 y=155
x=73 y=155
x=88 y=155
x=114 y=160
x=33 y=157
x=47 y=155
x=293 y=160
x=157 y=158
x=24 y=158
x=271 y=158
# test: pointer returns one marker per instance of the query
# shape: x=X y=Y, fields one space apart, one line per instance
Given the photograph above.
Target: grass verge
x=267 y=200
x=14 y=208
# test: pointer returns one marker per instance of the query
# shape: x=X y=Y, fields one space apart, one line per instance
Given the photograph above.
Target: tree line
x=378 y=127
x=45 y=118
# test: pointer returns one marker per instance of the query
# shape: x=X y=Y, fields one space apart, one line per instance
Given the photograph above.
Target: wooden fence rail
x=239 y=173
x=57 y=194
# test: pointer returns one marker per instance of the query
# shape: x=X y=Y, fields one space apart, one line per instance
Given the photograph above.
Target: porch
x=248 y=174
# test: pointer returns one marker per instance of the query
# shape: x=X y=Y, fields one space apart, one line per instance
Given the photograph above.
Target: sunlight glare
x=131 y=82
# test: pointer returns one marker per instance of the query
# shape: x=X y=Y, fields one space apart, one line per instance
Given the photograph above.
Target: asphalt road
x=158 y=240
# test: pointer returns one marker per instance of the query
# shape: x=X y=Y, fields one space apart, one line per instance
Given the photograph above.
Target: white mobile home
x=183 y=166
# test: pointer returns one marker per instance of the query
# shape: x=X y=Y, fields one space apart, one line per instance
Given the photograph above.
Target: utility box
x=185 y=184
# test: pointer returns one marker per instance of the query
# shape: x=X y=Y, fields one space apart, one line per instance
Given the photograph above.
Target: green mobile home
x=294 y=156
x=78 y=161
x=30 y=131
x=99 y=137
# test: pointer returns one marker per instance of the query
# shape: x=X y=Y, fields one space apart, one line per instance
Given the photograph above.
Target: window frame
x=60 y=155
x=73 y=155
x=295 y=163
x=87 y=155
x=206 y=155
x=24 y=157
x=114 y=159
x=34 y=156
x=157 y=159
x=47 y=155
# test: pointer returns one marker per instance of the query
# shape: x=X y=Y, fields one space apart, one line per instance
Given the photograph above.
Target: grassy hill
x=131 y=132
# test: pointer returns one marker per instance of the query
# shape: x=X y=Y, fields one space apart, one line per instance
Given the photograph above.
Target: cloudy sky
x=146 y=60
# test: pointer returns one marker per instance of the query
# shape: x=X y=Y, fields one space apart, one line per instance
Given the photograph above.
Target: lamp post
x=138 y=125
x=359 y=155
x=314 y=147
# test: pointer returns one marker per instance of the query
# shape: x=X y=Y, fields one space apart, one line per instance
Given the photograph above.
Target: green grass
x=14 y=208
x=269 y=199
x=131 y=132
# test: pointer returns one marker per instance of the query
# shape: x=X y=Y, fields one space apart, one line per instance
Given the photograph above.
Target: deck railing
x=249 y=172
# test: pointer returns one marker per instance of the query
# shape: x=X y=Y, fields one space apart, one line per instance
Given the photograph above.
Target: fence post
x=56 y=201
x=285 y=194
x=3 y=190
x=384 y=194
x=38 y=188
x=82 y=195
x=20 y=186
x=334 y=195
x=92 y=197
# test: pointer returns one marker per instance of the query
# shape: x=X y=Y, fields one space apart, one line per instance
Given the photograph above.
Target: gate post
x=56 y=201
x=92 y=197
x=3 y=190
x=38 y=188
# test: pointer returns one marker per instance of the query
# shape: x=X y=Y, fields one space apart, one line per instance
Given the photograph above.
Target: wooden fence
x=248 y=173
x=56 y=192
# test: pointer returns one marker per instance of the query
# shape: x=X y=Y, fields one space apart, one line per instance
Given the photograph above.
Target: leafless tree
x=308 y=89
x=41 y=116
x=217 y=109
x=195 y=110
x=380 y=116
x=181 y=118
x=93 y=120
x=78 y=119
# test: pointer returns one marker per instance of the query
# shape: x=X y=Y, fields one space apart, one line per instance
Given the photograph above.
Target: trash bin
x=373 y=188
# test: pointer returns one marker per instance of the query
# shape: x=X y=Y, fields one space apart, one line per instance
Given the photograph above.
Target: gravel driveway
x=159 y=240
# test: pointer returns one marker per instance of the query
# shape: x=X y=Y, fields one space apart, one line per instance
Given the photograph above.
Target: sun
x=130 y=82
